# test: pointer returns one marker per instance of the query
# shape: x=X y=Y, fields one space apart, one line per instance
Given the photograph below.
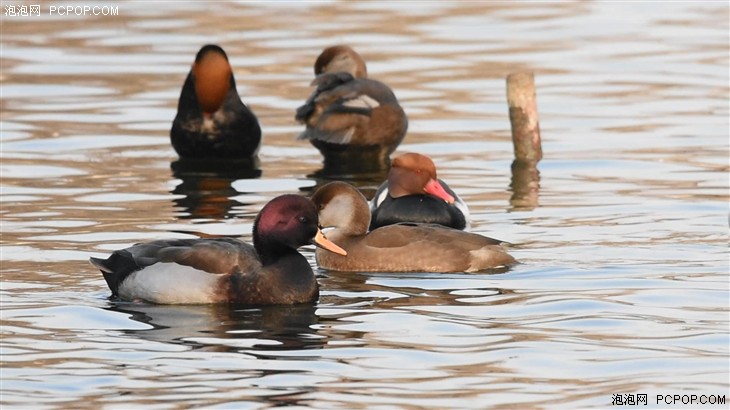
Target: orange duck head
x=212 y=73
x=413 y=173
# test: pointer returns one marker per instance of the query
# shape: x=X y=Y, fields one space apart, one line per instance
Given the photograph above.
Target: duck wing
x=221 y=255
x=430 y=247
x=426 y=235
x=216 y=256
x=342 y=107
x=324 y=83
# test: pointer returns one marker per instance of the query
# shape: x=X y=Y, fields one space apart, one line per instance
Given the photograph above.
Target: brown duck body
x=403 y=247
x=348 y=115
x=225 y=270
x=211 y=120
x=410 y=247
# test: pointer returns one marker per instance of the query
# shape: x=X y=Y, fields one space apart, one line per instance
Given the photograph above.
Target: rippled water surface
x=624 y=282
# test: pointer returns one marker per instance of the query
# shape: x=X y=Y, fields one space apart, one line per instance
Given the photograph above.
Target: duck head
x=412 y=174
x=340 y=58
x=343 y=207
x=286 y=223
x=213 y=77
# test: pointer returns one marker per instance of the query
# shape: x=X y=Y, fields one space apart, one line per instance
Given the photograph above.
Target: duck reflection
x=402 y=290
x=353 y=164
x=206 y=185
x=360 y=172
x=227 y=328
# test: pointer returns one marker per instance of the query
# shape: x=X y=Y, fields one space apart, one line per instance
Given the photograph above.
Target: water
x=624 y=282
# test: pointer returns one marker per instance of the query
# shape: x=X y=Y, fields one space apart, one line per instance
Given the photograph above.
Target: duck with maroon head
x=225 y=270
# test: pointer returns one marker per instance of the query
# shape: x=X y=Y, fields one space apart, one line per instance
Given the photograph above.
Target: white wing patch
x=348 y=136
x=362 y=101
x=461 y=205
x=379 y=200
x=170 y=283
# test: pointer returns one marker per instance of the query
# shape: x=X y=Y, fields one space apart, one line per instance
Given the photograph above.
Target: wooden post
x=526 y=140
x=523 y=116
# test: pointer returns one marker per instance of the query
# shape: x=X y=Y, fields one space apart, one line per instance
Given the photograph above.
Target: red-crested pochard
x=212 y=121
x=348 y=115
x=403 y=247
x=225 y=270
x=413 y=193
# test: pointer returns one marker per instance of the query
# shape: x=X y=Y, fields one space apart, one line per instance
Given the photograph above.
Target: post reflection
x=525 y=185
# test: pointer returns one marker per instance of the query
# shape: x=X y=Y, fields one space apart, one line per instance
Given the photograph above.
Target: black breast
x=417 y=208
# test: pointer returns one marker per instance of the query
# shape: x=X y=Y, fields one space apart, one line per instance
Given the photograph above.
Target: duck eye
x=302 y=219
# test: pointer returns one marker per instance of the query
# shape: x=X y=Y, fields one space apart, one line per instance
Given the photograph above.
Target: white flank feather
x=362 y=101
x=170 y=283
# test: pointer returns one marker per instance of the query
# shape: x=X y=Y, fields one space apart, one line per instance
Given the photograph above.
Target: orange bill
x=321 y=241
x=433 y=187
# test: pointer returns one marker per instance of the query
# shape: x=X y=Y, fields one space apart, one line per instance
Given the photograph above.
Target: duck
x=413 y=193
x=401 y=247
x=350 y=117
x=225 y=270
x=211 y=120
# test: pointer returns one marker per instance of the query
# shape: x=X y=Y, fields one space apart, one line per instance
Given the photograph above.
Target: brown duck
x=403 y=247
x=348 y=116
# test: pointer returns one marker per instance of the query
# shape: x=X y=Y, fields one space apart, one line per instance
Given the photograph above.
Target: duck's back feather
x=342 y=110
x=412 y=247
x=231 y=132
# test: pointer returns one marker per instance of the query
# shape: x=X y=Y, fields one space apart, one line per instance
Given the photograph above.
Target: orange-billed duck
x=412 y=193
x=225 y=270
x=212 y=121
x=349 y=116
x=403 y=247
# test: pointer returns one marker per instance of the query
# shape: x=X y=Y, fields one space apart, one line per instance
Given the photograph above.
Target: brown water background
x=624 y=282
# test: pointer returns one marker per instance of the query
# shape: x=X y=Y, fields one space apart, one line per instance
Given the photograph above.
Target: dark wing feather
x=215 y=256
x=221 y=255
x=324 y=83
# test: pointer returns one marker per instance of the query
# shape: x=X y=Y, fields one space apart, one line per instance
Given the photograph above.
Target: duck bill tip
x=321 y=241
x=434 y=187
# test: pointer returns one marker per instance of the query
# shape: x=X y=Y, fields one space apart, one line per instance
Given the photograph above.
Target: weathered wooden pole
x=525 y=138
x=523 y=116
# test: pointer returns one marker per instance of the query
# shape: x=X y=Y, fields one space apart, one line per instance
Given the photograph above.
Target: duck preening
x=402 y=247
x=226 y=270
x=349 y=117
x=211 y=120
x=413 y=193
